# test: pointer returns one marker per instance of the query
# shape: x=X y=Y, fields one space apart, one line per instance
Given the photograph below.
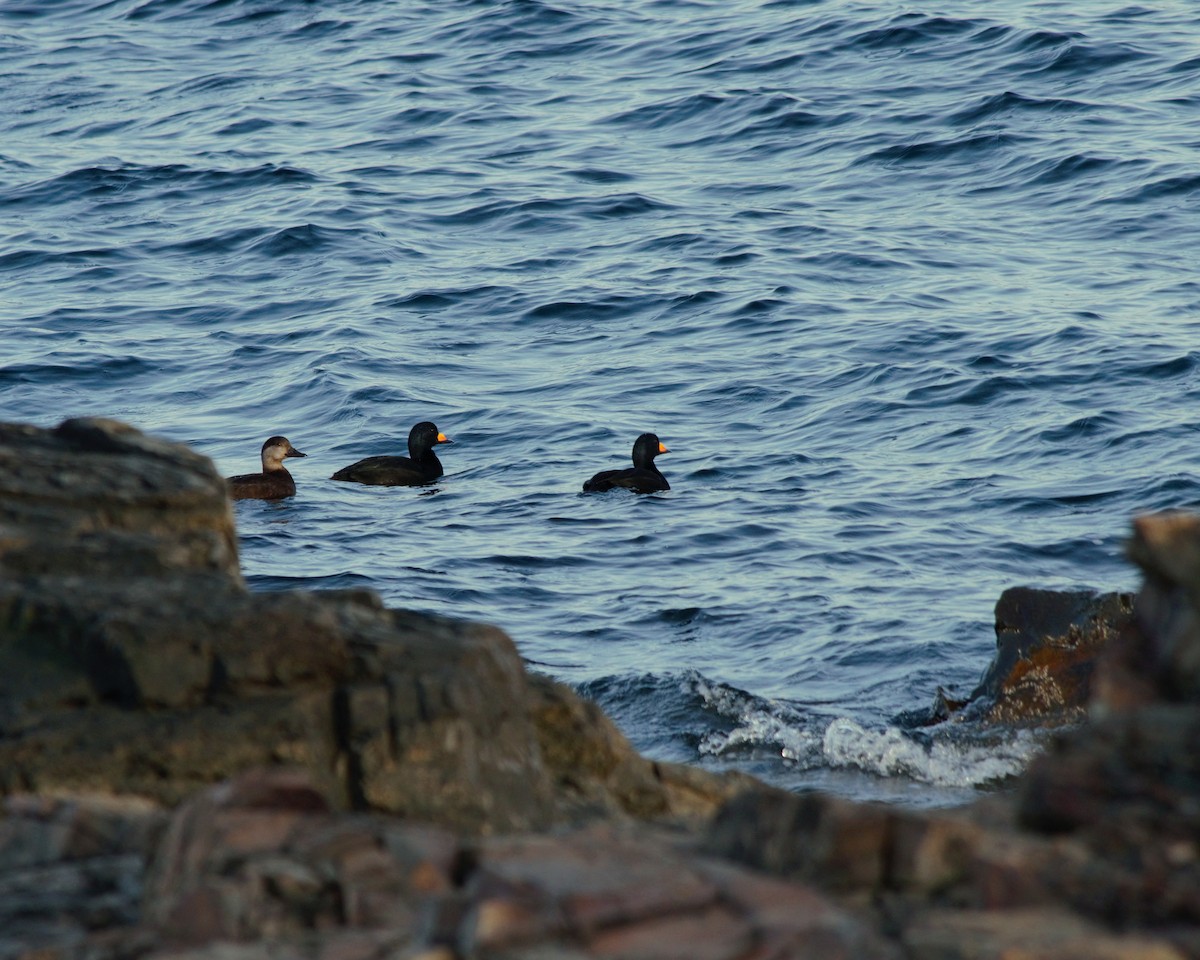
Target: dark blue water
x=912 y=294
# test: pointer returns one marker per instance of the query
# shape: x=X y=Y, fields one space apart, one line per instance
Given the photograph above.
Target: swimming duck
x=274 y=483
x=420 y=466
x=642 y=477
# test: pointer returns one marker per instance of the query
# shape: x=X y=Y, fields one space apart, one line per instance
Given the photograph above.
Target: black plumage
x=642 y=477
x=420 y=466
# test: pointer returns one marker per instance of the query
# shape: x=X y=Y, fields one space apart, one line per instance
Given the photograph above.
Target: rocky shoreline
x=190 y=769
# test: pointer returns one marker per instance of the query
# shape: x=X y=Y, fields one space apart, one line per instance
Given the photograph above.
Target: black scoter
x=420 y=466
x=274 y=483
x=642 y=477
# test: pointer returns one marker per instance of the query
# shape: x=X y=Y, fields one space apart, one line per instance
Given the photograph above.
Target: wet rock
x=1048 y=645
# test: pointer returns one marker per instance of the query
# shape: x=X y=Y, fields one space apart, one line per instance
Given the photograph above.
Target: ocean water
x=911 y=291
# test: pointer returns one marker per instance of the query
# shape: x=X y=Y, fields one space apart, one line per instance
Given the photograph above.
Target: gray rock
x=100 y=499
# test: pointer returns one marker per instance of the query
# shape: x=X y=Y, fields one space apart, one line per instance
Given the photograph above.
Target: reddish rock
x=1047 y=646
x=713 y=933
x=609 y=893
x=232 y=866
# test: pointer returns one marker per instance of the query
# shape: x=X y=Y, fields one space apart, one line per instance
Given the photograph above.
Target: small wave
x=26 y=260
x=913 y=30
x=513 y=23
x=240 y=128
x=490 y=296
x=1180 y=366
x=759 y=730
x=1033 y=40
x=317 y=29
x=1004 y=104
x=969 y=392
x=276 y=582
x=543 y=213
x=420 y=117
x=1190 y=66
x=1083 y=430
x=224 y=242
x=595 y=175
x=168 y=181
x=609 y=308
x=304 y=238
x=64 y=371
x=927 y=151
x=1075 y=167
x=208 y=11
x=946 y=763
x=1084 y=59
x=1172 y=186
x=945 y=757
x=755 y=722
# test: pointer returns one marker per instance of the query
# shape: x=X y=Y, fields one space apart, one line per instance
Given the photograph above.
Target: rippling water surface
x=910 y=292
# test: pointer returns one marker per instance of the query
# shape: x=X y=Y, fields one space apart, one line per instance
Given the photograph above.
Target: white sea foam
x=761 y=728
x=946 y=757
x=945 y=761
